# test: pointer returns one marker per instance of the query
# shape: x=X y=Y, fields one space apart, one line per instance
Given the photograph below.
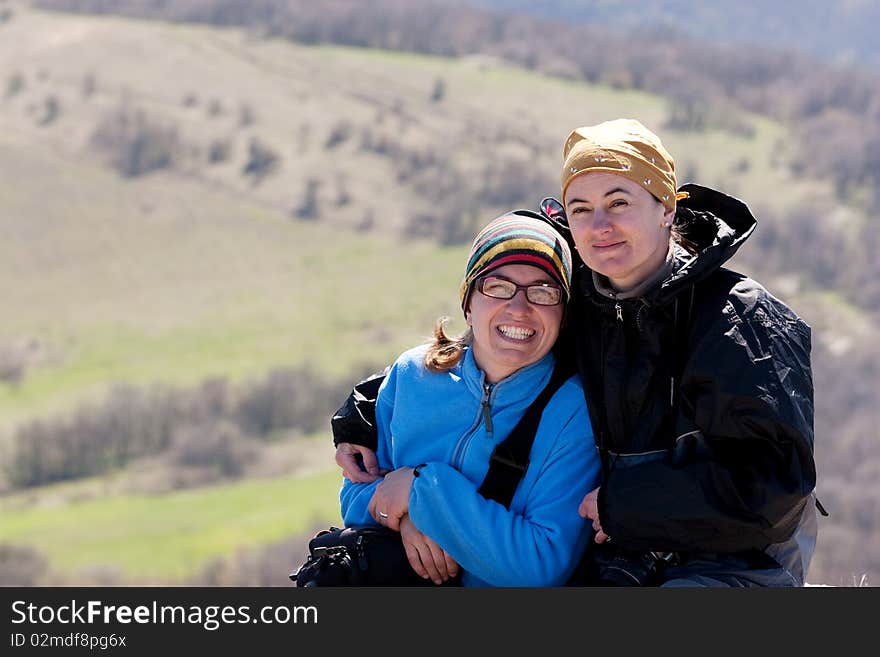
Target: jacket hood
x=715 y=224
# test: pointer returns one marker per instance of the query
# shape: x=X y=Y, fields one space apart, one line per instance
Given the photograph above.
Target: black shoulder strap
x=510 y=459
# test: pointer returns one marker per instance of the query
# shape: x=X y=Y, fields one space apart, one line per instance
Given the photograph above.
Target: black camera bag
x=358 y=556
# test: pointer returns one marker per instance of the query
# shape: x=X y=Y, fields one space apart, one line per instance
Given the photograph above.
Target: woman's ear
x=467 y=317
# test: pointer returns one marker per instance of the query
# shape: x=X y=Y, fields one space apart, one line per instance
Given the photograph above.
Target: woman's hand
x=390 y=501
x=427 y=558
x=589 y=508
x=346 y=458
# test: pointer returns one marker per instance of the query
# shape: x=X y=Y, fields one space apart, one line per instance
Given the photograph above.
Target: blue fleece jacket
x=452 y=421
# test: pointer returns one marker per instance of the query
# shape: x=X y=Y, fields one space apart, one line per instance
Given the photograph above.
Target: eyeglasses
x=540 y=294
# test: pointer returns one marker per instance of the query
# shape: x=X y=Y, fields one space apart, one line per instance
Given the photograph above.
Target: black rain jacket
x=701 y=397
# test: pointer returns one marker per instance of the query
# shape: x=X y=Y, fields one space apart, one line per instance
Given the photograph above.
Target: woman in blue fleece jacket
x=444 y=406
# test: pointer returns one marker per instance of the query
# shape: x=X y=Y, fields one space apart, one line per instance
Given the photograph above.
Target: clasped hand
x=365 y=472
x=589 y=509
x=390 y=501
x=389 y=506
x=427 y=558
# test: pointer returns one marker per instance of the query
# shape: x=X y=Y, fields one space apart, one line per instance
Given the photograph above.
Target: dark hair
x=686 y=231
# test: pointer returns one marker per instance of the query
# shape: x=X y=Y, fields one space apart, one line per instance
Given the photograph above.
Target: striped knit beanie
x=518 y=238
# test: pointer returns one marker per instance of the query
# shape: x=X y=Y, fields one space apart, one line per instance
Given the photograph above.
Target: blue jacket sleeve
x=354 y=498
x=538 y=545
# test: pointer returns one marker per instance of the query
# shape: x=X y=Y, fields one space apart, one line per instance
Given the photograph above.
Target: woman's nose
x=519 y=301
x=600 y=221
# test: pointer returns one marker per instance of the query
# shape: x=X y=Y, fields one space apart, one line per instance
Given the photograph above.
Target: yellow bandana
x=624 y=147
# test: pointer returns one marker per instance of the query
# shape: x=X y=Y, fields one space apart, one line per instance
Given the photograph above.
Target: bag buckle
x=502 y=454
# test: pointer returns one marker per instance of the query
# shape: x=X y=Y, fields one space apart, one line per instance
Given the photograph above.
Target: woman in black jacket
x=698 y=380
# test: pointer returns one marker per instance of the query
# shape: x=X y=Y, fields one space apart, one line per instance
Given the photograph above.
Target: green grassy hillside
x=168 y=538
x=201 y=284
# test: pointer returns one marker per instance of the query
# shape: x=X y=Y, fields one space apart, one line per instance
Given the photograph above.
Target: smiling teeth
x=516 y=333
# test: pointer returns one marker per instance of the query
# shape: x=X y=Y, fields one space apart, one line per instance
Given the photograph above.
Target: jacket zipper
x=486 y=413
x=487 y=410
x=608 y=456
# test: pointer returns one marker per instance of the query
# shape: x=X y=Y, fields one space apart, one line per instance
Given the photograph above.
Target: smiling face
x=620 y=229
x=512 y=333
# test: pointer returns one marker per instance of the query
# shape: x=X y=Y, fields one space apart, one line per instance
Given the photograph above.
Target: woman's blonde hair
x=445 y=352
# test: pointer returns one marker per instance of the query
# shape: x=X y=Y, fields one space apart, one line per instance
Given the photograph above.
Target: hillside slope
x=196 y=266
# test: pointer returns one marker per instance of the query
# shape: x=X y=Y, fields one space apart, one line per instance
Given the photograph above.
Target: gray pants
x=725 y=572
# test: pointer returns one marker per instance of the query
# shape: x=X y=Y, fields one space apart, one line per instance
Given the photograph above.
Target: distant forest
x=835 y=31
x=832 y=112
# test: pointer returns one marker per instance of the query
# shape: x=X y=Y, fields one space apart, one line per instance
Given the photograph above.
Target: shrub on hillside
x=513 y=183
x=262 y=161
x=438 y=93
x=92 y=575
x=14 y=85
x=128 y=424
x=13 y=363
x=136 y=144
x=449 y=225
x=269 y=565
x=367 y=221
x=849 y=157
x=215 y=107
x=343 y=198
x=217 y=445
x=338 y=135
x=214 y=398
x=212 y=426
x=287 y=398
x=308 y=206
x=219 y=151
x=246 y=115
x=50 y=111
x=21 y=565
